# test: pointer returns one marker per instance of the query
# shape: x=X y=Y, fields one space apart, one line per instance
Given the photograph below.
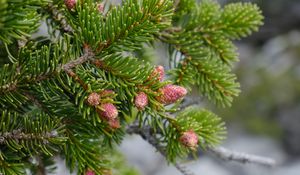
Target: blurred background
x=265 y=118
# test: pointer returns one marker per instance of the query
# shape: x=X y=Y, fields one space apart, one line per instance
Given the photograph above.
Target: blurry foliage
x=270 y=83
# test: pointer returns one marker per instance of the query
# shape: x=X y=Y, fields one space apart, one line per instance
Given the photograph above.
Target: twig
x=230 y=155
x=220 y=152
x=59 y=18
x=146 y=134
x=88 y=54
x=19 y=135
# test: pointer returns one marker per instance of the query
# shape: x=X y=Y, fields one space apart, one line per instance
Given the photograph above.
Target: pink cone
x=189 y=139
x=141 y=100
x=90 y=172
x=100 y=7
x=171 y=93
x=109 y=111
x=70 y=4
x=93 y=99
x=158 y=71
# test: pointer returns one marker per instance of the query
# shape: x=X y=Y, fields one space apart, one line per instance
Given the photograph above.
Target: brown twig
x=19 y=135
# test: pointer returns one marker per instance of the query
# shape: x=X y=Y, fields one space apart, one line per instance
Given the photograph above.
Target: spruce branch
x=146 y=133
x=229 y=155
x=67 y=67
x=220 y=152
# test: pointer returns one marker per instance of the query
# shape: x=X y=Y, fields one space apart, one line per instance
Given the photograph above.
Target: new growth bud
x=158 y=71
x=93 y=99
x=171 y=93
x=100 y=7
x=189 y=139
x=70 y=4
x=141 y=100
x=114 y=123
x=90 y=172
x=108 y=111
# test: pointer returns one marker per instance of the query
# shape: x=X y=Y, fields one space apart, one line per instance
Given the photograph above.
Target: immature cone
x=93 y=99
x=114 y=123
x=141 y=101
x=100 y=7
x=108 y=111
x=70 y=4
x=171 y=93
x=158 y=71
x=189 y=139
x=90 y=172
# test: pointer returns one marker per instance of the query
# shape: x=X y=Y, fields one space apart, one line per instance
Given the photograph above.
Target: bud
x=141 y=100
x=171 y=93
x=93 y=99
x=90 y=172
x=100 y=7
x=158 y=71
x=189 y=139
x=114 y=123
x=108 y=111
x=70 y=4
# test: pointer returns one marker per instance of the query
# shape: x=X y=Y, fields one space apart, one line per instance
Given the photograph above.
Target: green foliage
x=209 y=128
x=240 y=19
x=46 y=82
x=202 y=46
x=32 y=134
x=18 y=19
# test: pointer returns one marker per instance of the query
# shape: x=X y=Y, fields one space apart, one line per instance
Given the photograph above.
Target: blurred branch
x=230 y=155
x=146 y=134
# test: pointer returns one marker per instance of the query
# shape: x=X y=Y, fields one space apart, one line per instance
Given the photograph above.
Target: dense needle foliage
x=74 y=92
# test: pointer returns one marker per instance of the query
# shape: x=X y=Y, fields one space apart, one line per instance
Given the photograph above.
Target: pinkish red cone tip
x=70 y=4
x=171 y=93
x=141 y=100
x=100 y=7
x=160 y=71
x=108 y=111
x=189 y=139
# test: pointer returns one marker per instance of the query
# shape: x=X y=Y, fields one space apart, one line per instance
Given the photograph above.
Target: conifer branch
x=220 y=152
x=145 y=133
x=88 y=55
x=229 y=155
